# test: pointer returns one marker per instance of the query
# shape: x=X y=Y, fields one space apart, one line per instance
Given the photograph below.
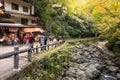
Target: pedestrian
x=41 y=40
x=28 y=38
x=32 y=39
x=58 y=38
x=21 y=39
x=12 y=39
x=45 y=41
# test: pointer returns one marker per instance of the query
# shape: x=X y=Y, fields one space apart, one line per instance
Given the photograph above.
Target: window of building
x=15 y=6
x=24 y=21
x=33 y=21
x=25 y=9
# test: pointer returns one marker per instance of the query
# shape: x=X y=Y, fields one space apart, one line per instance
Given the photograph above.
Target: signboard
x=13 y=29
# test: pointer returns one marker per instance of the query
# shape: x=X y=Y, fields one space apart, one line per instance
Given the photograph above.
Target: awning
x=35 y=29
x=12 y=25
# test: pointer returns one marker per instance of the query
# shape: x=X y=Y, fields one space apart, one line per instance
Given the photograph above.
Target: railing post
x=55 y=45
x=16 y=57
x=44 y=47
x=59 y=43
x=37 y=49
x=41 y=47
x=29 y=54
x=52 y=45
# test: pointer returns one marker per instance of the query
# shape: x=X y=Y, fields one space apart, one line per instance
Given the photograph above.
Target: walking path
x=7 y=65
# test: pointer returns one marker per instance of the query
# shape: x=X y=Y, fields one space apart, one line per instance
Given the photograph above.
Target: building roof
x=18 y=1
x=12 y=25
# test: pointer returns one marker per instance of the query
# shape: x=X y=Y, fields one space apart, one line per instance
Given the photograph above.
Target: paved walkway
x=7 y=65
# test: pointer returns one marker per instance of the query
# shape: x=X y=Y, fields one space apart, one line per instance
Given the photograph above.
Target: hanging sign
x=13 y=29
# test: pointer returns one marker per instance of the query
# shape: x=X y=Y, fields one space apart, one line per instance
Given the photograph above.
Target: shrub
x=114 y=43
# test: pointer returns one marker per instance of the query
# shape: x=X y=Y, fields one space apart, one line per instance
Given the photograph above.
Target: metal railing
x=29 y=50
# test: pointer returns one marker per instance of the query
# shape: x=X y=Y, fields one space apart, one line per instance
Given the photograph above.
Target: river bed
x=89 y=63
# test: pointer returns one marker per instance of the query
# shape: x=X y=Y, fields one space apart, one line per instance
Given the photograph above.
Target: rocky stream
x=90 y=63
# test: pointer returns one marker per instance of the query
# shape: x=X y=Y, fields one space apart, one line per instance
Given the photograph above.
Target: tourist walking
x=32 y=39
x=12 y=39
x=21 y=39
x=45 y=41
x=41 y=40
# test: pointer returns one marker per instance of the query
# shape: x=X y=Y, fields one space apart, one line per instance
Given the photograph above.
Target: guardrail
x=29 y=50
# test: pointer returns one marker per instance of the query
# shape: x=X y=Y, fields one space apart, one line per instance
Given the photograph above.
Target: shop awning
x=35 y=29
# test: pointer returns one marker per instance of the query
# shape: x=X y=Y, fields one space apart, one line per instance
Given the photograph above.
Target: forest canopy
x=78 y=18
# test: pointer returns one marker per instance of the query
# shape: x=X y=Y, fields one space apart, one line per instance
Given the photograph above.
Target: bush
x=114 y=43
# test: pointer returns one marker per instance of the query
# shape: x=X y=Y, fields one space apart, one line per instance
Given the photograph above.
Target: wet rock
x=98 y=66
x=94 y=50
x=68 y=78
x=91 y=71
x=71 y=72
x=82 y=67
x=85 y=49
x=59 y=78
x=110 y=63
x=86 y=53
x=118 y=75
x=78 y=59
x=80 y=52
x=113 y=68
x=96 y=54
x=107 y=77
x=81 y=75
x=75 y=65
x=89 y=57
x=77 y=46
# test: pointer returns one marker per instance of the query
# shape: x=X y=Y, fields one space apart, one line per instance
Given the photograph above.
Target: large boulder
x=113 y=68
x=91 y=71
x=107 y=77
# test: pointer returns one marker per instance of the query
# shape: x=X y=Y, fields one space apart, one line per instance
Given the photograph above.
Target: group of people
x=8 y=39
x=42 y=39
x=29 y=38
x=13 y=39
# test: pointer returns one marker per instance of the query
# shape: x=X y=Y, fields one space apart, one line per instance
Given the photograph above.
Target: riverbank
x=89 y=63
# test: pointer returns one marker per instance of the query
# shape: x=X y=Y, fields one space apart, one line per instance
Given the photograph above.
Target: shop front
x=10 y=31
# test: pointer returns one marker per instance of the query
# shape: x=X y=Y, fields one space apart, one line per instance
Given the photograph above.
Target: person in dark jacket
x=32 y=40
x=45 y=41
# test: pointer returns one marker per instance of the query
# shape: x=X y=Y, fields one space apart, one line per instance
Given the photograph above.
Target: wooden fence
x=29 y=50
